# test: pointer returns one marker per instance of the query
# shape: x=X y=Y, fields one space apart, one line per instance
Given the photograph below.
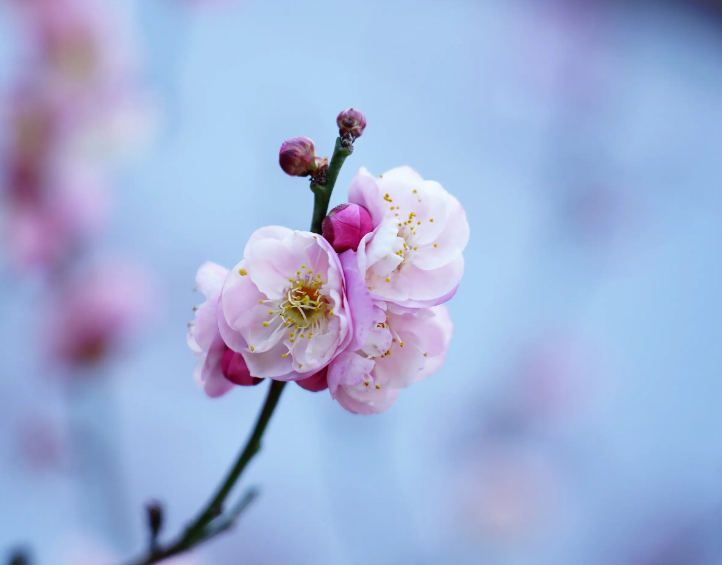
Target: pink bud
x=351 y=121
x=297 y=156
x=316 y=382
x=345 y=226
x=235 y=370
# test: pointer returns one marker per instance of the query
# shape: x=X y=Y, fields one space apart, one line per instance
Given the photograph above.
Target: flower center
x=304 y=305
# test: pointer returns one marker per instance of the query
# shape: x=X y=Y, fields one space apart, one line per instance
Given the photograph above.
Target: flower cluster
x=358 y=310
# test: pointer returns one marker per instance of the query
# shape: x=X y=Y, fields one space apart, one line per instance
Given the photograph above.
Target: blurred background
x=577 y=417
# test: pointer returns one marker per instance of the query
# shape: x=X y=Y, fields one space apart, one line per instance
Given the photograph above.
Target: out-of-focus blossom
x=42 y=229
x=351 y=122
x=401 y=348
x=557 y=379
x=346 y=225
x=94 y=311
x=219 y=367
x=507 y=493
x=414 y=255
x=297 y=157
x=82 y=47
x=40 y=443
x=285 y=306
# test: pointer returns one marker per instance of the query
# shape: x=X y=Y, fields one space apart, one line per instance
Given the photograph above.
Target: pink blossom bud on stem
x=351 y=125
x=298 y=157
x=345 y=226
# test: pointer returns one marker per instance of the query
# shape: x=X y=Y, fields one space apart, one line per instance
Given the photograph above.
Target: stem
x=212 y=521
x=323 y=193
x=198 y=531
x=253 y=446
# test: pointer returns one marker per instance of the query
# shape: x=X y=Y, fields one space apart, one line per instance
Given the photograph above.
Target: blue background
x=583 y=140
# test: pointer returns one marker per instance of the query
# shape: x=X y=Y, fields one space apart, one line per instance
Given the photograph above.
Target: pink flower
x=285 y=306
x=415 y=347
x=401 y=348
x=414 y=255
x=95 y=311
x=345 y=225
x=219 y=367
x=297 y=156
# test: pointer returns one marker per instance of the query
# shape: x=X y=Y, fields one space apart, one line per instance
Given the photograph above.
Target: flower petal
x=347 y=369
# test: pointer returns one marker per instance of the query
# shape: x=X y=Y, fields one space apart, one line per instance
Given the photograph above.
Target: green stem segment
x=212 y=522
x=253 y=446
x=323 y=193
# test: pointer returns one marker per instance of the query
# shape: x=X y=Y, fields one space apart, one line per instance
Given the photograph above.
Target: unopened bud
x=234 y=368
x=316 y=382
x=297 y=157
x=345 y=226
x=351 y=123
x=155 y=518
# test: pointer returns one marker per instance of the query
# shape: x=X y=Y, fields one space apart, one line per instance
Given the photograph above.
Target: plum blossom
x=95 y=310
x=414 y=255
x=219 y=367
x=401 y=348
x=284 y=307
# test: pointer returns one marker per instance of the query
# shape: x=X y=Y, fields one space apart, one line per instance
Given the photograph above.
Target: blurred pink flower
x=82 y=46
x=95 y=310
x=508 y=493
x=285 y=306
x=219 y=367
x=43 y=225
x=414 y=255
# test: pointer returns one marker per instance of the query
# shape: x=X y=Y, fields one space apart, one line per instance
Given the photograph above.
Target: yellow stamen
x=253 y=348
x=284 y=355
x=242 y=272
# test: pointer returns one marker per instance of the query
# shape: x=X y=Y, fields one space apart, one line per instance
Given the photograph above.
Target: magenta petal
x=316 y=382
x=359 y=300
x=235 y=369
x=214 y=383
